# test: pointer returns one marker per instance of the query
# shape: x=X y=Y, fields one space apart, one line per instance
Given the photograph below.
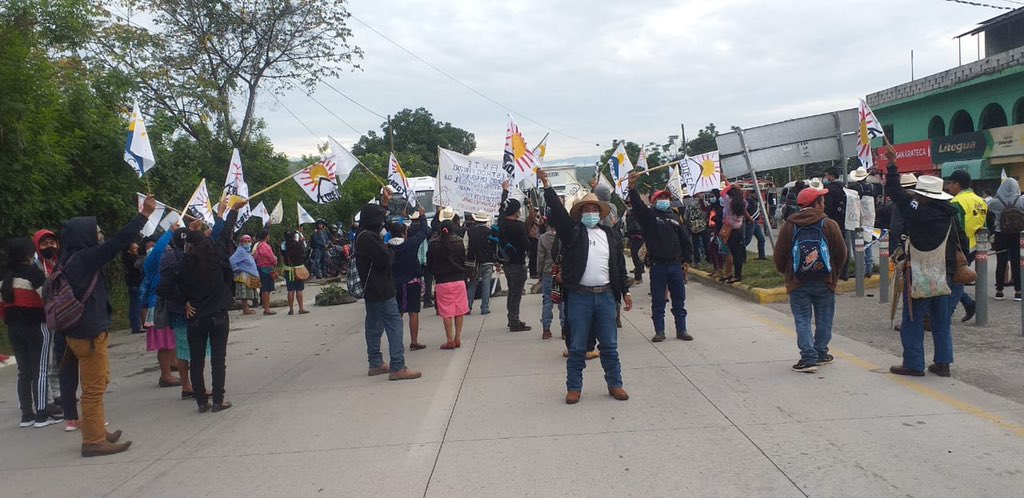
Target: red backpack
x=62 y=308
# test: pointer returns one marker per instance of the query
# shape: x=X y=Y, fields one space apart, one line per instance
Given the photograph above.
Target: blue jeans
x=869 y=259
x=912 y=330
x=752 y=231
x=384 y=317
x=594 y=313
x=484 y=272
x=668 y=277
x=960 y=296
x=316 y=262
x=134 y=309
x=817 y=299
x=547 y=314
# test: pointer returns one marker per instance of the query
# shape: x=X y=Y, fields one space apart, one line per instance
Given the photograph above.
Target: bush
x=333 y=295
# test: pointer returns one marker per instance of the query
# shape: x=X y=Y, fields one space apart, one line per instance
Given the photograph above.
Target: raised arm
x=644 y=214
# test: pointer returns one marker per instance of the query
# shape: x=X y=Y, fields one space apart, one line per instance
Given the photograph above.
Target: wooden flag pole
x=276 y=184
x=662 y=166
x=375 y=177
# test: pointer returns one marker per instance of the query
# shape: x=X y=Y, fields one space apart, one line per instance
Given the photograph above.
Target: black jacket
x=210 y=292
x=479 y=249
x=667 y=241
x=374 y=259
x=633 y=228
x=446 y=269
x=835 y=203
x=576 y=247
x=132 y=270
x=927 y=224
x=514 y=237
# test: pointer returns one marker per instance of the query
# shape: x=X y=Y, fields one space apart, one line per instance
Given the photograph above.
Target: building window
x=961 y=123
x=1018 y=111
x=993 y=116
x=937 y=127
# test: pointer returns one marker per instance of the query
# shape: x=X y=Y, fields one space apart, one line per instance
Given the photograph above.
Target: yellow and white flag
x=539 y=152
x=870 y=128
x=199 y=206
x=235 y=189
x=518 y=160
x=138 y=152
x=318 y=180
x=620 y=167
x=399 y=182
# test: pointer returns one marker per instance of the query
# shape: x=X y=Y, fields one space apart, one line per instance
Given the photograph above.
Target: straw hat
x=931 y=186
x=908 y=180
x=482 y=217
x=577 y=207
x=858 y=174
x=816 y=183
x=447 y=214
x=415 y=215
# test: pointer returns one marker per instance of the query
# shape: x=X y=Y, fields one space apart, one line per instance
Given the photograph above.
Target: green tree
x=705 y=141
x=646 y=183
x=417 y=134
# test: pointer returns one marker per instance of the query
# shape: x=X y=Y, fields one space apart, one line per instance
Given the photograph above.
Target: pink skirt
x=451 y=299
x=157 y=339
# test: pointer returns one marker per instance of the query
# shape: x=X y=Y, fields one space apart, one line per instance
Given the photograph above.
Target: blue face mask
x=590 y=220
x=663 y=204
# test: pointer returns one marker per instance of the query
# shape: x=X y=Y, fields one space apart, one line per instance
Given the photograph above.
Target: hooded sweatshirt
x=407 y=262
x=604 y=194
x=374 y=259
x=78 y=240
x=44 y=263
x=1008 y=194
x=783 y=256
x=21 y=291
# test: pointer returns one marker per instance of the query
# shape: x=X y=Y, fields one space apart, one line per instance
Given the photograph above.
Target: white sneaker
x=71 y=426
x=47 y=422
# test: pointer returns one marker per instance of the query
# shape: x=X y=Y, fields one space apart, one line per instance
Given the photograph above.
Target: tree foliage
x=417 y=134
x=705 y=141
x=646 y=183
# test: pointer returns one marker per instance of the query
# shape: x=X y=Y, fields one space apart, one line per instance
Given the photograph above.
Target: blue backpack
x=811 y=258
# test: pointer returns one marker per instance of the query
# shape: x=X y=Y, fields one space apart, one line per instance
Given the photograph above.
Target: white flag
x=603 y=180
x=621 y=167
x=260 y=211
x=318 y=180
x=675 y=183
x=154 y=219
x=870 y=128
x=138 y=153
x=236 y=189
x=277 y=215
x=171 y=218
x=400 y=182
x=346 y=162
x=641 y=162
x=518 y=160
x=304 y=216
x=199 y=206
x=539 y=152
x=702 y=173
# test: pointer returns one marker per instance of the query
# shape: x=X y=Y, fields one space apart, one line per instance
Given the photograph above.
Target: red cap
x=809 y=195
x=660 y=193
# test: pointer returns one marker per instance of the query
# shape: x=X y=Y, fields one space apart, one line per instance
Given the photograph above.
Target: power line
x=346 y=123
x=310 y=130
x=979 y=4
x=350 y=99
x=465 y=85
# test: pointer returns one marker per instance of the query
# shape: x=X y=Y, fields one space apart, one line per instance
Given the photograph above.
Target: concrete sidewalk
x=720 y=416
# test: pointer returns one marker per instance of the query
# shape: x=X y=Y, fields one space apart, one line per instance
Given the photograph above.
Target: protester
x=293 y=259
x=810 y=251
x=669 y=251
x=549 y=254
x=636 y=241
x=446 y=258
x=933 y=238
x=733 y=219
x=695 y=214
x=266 y=261
x=717 y=248
x=971 y=214
x=160 y=336
x=835 y=207
x=63 y=368
x=247 y=280
x=172 y=305
x=594 y=272
x=480 y=253
x=754 y=229
x=206 y=287
x=408 y=271
x=533 y=232
x=374 y=262
x=21 y=305
x=1007 y=221
x=85 y=252
x=867 y=192
x=516 y=243
x=896 y=226
x=318 y=244
x=132 y=263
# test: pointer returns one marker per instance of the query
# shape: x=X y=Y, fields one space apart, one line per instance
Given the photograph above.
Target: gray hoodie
x=1008 y=194
x=604 y=194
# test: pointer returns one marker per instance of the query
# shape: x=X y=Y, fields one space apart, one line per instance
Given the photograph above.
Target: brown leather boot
x=572 y=397
x=113 y=437
x=618 y=393
x=404 y=374
x=381 y=370
x=104 y=448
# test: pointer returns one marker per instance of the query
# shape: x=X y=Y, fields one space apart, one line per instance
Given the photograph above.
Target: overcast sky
x=599 y=70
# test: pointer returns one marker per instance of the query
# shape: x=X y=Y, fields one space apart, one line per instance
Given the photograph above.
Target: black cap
x=961 y=177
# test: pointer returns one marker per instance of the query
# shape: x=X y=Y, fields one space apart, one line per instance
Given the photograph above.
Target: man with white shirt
x=594 y=274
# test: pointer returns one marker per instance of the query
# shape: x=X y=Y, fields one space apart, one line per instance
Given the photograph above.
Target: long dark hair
x=445 y=235
x=294 y=250
x=16 y=252
x=201 y=257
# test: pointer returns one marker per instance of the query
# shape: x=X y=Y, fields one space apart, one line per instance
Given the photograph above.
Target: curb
x=773 y=295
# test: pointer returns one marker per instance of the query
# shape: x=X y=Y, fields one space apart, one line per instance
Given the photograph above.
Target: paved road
x=721 y=416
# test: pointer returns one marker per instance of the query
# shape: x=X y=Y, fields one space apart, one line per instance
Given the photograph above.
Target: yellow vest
x=975 y=213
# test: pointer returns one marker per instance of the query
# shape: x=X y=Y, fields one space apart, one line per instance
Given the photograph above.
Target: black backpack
x=1012 y=219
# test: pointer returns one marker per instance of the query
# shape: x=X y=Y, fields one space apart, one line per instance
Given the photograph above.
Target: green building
x=969 y=117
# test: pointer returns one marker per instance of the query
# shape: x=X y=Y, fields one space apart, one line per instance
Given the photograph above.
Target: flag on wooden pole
x=154 y=219
x=620 y=167
x=318 y=180
x=518 y=160
x=399 y=182
x=641 y=162
x=199 y=206
x=277 y=215
x=675 y=183
x=138 y=152
x=345 y=160
x=235 y=189
x=260 y=211
x=870 y=128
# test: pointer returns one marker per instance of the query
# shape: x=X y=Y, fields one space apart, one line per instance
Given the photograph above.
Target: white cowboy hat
x=815 y=183
x=858 y=174
x=481 y=217
x=415 y=215
x=908 y=180
x=931 y=186
x=447 y=214
x=686 y=191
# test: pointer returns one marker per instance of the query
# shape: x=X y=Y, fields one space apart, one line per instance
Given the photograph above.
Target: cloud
x=603 y=70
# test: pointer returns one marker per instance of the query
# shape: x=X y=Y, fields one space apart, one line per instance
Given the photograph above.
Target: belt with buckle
x=601 y=289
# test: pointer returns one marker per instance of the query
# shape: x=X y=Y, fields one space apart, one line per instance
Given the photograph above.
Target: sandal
x=291 y=312
x=458 y=343
x=269 y=313
x=417 y=346
x=448 y=345
x=250 y=312
x=303 y=312
x=170 y=383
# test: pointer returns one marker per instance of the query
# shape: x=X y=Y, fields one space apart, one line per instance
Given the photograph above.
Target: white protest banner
x=852 y=209
x=235 y=189
x=467 y=184
x=702 y=173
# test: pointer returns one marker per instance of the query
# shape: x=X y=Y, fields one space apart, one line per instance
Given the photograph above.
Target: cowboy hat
x=858 y=174
x=930 y=186
x=447 y=214
x=577 y=207
x=815 y=183
x=908 y=180
x=481 y=217
x=415 y=215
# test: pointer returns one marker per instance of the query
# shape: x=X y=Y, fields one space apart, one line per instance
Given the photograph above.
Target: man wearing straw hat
x=933 y=239
x=594 y=273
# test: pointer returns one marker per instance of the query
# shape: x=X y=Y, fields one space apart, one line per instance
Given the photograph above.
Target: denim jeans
x=668 y=277
x=547 y=313
x=912 y=330
x=383 y=317
x=869 y=259
x=484 y=272
x=594 y=313
x=752 y=231
x=134 y=309
x=316 y=262
x=516 y=275
x=817 y=299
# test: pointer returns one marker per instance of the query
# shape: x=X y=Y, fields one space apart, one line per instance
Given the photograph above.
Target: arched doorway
x=937 y=127
x=961 y=123
x=993 y=116
x=1018 y=112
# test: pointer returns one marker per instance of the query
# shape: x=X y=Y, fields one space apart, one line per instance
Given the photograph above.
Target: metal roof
x=1013 y=15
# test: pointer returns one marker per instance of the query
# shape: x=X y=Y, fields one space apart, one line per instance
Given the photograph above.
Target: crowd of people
x=182 y=283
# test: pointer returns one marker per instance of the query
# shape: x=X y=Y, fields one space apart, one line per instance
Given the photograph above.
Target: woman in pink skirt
x=446 y=258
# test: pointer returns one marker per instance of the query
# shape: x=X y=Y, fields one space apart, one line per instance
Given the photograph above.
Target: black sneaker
x=519 y=327
x=804 y=367
x=658 y=337
x=1016 y=296
x=27 y=421
x=826 y=360
x=684 y=336
x=970 y=309
x=44 y=421
x=999 y=295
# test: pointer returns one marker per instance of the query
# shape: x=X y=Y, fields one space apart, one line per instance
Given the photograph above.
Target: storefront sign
x=1006 y=141
x=910 y=157
x=962 y=147
x=979 y=169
